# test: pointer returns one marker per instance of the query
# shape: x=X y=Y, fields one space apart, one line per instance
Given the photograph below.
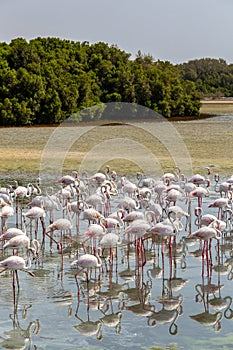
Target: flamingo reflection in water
x=18 y=337
x=206 y=318
x=112 y=319
x=164 y=316
x=137 y=299
x=88 y=328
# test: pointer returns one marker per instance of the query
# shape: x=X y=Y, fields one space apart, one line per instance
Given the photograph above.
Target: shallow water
x=123 y=308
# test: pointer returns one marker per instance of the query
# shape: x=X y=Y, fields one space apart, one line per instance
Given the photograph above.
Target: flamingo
x=128 y=187
x=203 y=220
x=110 y=224
x=94 y=231
x=118 y=215
x=138 y=228
x=87 y=262
x=6 y=212
x=198 y=179
x=19 y=193
x=206 y=233
x=177 y=211
x=128 y=204
x=145 y=181
x=6 y=197
x=110 y=240
x=12 y=232
x=173 y=195
x=221 y=204
x=68 y=179
x=167 y=178
x=61 y=224
x=98 y=177
x=200 y=192
x=159 y=188
x=15 y=263
x=91 y=214
x=23 y=241
x=223 y=187
x=35 y=213
x=95 y=200
x=163 y=229
x=133 y=215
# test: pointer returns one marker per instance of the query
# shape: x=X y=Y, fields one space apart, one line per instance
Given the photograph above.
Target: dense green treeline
x=46 y=80
x=212 y=77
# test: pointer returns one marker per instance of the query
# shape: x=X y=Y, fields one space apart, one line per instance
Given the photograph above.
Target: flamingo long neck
x=99 y=259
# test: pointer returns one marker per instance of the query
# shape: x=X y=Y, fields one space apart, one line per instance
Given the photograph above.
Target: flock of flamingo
x=102 y=220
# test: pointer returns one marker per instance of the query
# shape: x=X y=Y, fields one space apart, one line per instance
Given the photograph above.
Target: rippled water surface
x=164 y=303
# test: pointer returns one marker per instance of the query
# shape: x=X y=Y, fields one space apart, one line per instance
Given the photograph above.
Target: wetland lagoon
x=151 y=292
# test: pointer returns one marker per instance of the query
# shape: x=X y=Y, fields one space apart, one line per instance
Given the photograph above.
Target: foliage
x=47 y=80
x=212 y=77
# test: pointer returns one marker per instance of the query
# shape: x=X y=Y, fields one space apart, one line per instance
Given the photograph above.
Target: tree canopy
x=46 y=80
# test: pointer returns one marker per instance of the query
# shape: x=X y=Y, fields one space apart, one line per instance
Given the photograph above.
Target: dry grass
x=127 y=148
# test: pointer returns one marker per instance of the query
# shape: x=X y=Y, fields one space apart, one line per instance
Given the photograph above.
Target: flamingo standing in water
x=68 y=179
x=15 y=263
x=86 y=262
x=221 y=204
x=94 y=231
x=200 y=192
x=6 y=212
x=138 y=228
x=12 y=232
x=206 y=233
x=61 y=224
x=110 y=240
x=35 y=213
x=19 y=193
x=23 y=242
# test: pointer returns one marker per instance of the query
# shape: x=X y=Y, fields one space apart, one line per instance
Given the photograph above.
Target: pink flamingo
x=61 y=224
x=98 y=177
x=118 y=215
x=68 y=179
x=198 y=180
x=87 y=262
x=200 y=192
x=110 y=224
x=6 y=212
x=133 y=215
x=15 y=263
x=110 y=240
x=19 y=193
x=91 y=214
x=94 y=231
x=203 y=220
x=220 y=203
x=173 y=195
x=23 y=242
x=206 y=233
x=12 y=232
x=138 y=228
x=35 y=213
